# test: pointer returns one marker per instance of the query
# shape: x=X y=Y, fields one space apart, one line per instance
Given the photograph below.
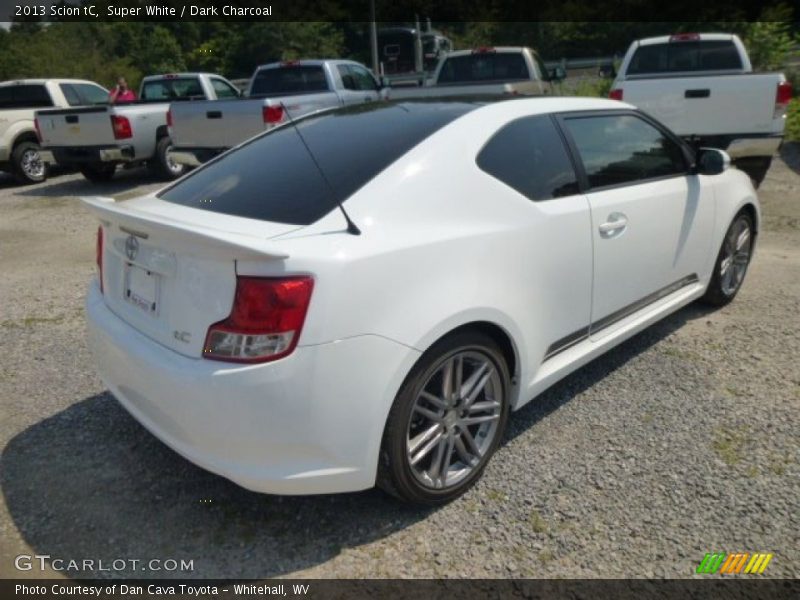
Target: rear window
x=25 y=96
x=487 y=66
x=273 y=177
x=682 y=57
x=285 y=81
x=179 y=88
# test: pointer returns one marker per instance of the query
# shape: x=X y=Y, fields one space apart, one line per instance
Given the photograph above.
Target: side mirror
x=711 y=161
x=557 y=74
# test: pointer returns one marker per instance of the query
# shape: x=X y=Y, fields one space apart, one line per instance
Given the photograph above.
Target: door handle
x=703 y=93
x=214 y=114
x=616 y=222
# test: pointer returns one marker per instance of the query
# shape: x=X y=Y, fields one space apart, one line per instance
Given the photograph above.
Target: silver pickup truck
x=510 y=70
x=97 y=139
x=202 y=130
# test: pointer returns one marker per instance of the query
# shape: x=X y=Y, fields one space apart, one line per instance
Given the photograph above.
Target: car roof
x=43 y=81
x=703 y=37
x=491 y=50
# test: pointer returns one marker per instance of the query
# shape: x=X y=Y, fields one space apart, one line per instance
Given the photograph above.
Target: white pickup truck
x=98 y=139
x=19 y=145
x=702 y=86
x=202 y=130
x=502 y=70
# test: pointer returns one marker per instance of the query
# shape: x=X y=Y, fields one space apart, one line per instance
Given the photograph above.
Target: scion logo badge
x=131 y=247
x=734 y=563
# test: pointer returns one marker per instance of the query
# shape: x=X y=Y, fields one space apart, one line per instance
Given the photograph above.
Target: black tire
x=26 y=164
x=162 y=165
x=756 y=168
x=720 y=292
x=478 y=354
x=99 y=172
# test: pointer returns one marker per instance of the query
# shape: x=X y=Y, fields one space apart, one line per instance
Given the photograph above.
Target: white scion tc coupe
x=362 y=296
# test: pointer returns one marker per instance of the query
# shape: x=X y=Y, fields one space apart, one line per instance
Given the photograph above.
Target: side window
x=364 y=81
x=73 y=99
x=529 y=155
x=544 y=73
x=348 y=81
x=91 y=94
x=222 y=89
x=618 y=149
x=25 y=96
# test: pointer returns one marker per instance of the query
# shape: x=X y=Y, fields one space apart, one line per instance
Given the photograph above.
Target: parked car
x=277 y=91
x=19 y=145
x=702 y=86
x=96 y=140
x=365 y=296
x=487 y=71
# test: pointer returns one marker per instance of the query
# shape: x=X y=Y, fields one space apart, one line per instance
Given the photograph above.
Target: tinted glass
x=24 y=96
x=72 y=97
x=348 y=81
x=487 y=66
x=624 y=148
x=283 y=81
x=91 y=94
x=223 y=90
x=363 y=80
x=529 y=155
x=273 y=178
x=172 y=89
x=676 y=57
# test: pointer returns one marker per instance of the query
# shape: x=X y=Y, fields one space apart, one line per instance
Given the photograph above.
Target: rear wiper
x=351 y=227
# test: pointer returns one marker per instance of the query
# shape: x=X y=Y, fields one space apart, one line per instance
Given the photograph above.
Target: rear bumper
x=194 y=157
x=306 y=424
x=78 y=155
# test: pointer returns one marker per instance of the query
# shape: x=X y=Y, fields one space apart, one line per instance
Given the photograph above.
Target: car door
x=359 y=85
x=529 y=155
x=651 y=219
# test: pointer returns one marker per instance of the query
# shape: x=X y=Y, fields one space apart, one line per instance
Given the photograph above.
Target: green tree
x=769 y=40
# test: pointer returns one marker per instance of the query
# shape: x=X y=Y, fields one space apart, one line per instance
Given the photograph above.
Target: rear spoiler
x=141 y=223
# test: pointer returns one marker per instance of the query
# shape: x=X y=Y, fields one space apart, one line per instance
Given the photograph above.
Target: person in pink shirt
x=121 y=93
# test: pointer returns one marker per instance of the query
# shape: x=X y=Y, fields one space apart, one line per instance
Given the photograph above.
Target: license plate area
x=142 y=288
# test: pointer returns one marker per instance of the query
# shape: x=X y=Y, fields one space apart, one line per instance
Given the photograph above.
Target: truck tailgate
x=709 y=105
x=215 y=123
x=90 y=126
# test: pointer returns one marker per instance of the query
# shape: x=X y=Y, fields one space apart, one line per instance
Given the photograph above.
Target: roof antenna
x=351 y=227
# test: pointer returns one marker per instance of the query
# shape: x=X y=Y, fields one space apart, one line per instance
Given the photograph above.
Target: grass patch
x=28 y=322
x=729 y=443
x=545 y=556
x=679 y=353
x=495 y=495
x=537 y=523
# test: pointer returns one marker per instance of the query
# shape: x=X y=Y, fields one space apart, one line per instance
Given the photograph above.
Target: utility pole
x=373 y=39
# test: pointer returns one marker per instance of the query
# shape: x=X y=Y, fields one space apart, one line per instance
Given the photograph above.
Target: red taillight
x=272 y=114
x=615 y=94
x=684 y=37
x=169 y=117
x=265 y=321
x=290 y=63
x=38 y=130
x=99 y=256
x=483 y=50
x=783 y=94
x=122 y=127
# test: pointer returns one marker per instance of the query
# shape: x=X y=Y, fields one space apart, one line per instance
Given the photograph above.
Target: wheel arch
x=24 y=136
x=161 y=132
x=500 y=328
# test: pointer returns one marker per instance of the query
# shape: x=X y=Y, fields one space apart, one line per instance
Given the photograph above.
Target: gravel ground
x=682 y=441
